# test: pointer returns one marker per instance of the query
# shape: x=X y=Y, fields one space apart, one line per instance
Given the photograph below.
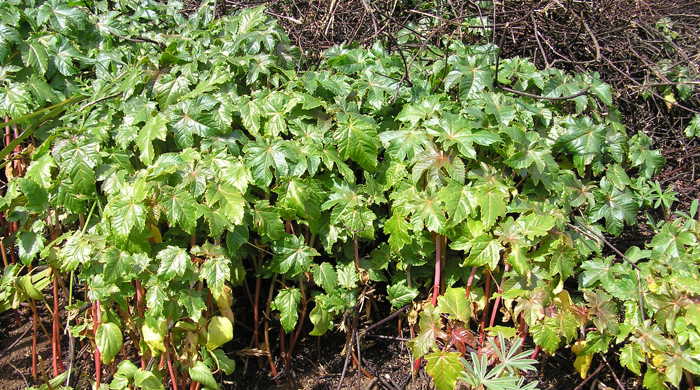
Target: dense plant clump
x=180 y=157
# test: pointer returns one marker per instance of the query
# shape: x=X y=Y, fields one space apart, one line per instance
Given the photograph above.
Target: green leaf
x=15 y=100
x=199 y=372
x=321 y=319
x=219 y=332
x=693 y=128
x=602 y=91
x=326 y=277
x=653 y=380
x=485 y=250
x=400 y=294
x=536 y=225
x=168 y=92
x=398 y=230
x=155 y=128
x=36 y=56
x=545 y=335
x=292 y=256
x=216 y=271
x=631 y=356
x=455 y=303
x=174 y=262
x=347 y=276
x=29 y=244
x=444 y=367
x=492 y=203
x=229 y=201
x=287 y=303
x=225 y=364
x=356 y=138
x=459 y=201
x=153 y=332
x=109 y=341
x=146 y=380
x=181 y=209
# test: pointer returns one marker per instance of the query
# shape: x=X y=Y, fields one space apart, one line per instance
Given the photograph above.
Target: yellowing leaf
x=444 y=368
x=583 y=360
x=219 y=332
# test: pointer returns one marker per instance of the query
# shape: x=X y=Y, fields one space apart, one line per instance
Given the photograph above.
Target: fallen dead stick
x=589 y=377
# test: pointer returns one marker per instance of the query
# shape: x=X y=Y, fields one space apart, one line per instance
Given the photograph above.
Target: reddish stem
x=273 y=368
x=8 y=136
x=171 y=371
x=57 y=362
x=96 y=319
x=535 y=352
x=522 y=330
x=283 y=347
x=4 y=255
x=470 y=281
x=498 y=299
x=438 y=268
x=487 y=296
x=256 y=312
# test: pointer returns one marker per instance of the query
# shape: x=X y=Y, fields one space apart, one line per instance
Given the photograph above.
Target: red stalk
x=57 y=362
x=470 y=281
x=273 y=368
x=535 y=352
x=96 y=319
x=173 y=377
x=438 y=268
x=283 y=347
x=4 y=255
x=256 y=312
x=487 y=295
x=498 y=299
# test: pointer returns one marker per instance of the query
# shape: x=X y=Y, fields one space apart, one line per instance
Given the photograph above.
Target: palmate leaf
x=460 y=201
x=492 y=201
x=287 y=303
x=292 y=256
x=126 y=216
x=15 y=100
x=186 y=119
x=398 y=230
x=181 y=209
x=63 y=57
x=454 y=303
x=356 y=138
x=265 y=155
x=227 y=201
x=615 y=206
x=8 y=35
x=155 y=128
x=36 y=55
x=485 y=251
x=325 y=276
x=472 y=79
x=400 y=294
x=174 y=262
x=61 y=16
x=169 y=89
x=216 y=271
x=444 y=367
x=267 y=221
